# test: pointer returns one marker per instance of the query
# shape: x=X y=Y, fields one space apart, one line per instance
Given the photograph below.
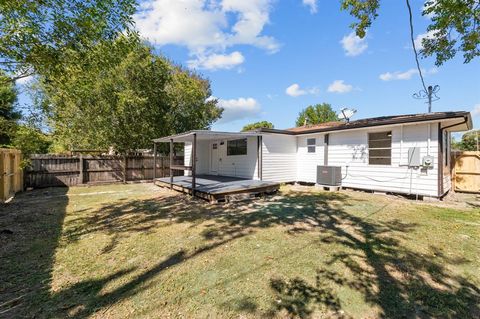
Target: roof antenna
x=347 y=113
x=430 y=94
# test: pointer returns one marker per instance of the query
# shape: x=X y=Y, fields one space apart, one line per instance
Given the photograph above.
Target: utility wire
x=414 y=47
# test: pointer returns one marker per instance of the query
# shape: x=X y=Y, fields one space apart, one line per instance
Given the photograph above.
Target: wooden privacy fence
x=466 y=171
x=11 y=177
x=51 y=170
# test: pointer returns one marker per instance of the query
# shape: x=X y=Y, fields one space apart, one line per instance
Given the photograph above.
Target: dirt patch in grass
x=140 y=251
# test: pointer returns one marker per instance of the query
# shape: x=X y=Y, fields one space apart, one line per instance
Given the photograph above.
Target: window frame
x=311 y=146
x=236 y=141
x=389 y=134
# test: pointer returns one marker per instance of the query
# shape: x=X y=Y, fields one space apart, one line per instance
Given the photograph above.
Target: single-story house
x=407 y=154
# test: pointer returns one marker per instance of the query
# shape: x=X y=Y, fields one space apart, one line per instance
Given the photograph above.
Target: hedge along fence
x=54 y=170
x=11 y=174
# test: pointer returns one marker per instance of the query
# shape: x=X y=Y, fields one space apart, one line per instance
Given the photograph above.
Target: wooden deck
x=219 y=188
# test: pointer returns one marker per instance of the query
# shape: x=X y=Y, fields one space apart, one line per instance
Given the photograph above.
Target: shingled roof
x=375 y=121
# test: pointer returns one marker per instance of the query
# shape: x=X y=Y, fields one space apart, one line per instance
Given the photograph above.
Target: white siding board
x=308 y=162
x=349 y=149
x=239 y=165
x=279 y=162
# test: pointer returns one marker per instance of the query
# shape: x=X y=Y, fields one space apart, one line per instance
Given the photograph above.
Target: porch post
x=154 y=161
x=194 y=163
x=259 y=157
x=171 y=163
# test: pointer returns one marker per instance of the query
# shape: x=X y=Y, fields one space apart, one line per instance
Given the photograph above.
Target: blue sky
x=269 y=59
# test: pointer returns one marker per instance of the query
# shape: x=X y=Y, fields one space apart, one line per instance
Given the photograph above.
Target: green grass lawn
x=138 y=251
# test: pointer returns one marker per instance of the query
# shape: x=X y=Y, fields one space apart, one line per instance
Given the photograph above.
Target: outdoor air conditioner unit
x=329 y=175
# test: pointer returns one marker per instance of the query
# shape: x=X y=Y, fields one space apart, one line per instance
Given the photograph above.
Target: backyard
x=138 y=251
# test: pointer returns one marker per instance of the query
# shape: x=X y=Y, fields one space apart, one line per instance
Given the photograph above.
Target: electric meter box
x=427 y=161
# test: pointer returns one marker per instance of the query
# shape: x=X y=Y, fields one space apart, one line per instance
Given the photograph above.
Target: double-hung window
x=380 y=148
x=311 y=145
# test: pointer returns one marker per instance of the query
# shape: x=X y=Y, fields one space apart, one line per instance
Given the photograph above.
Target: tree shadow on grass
x=31 y=226
x=367 y=256
x=401 y=282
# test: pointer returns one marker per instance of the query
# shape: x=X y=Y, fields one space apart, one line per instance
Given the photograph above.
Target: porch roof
x=204 y=135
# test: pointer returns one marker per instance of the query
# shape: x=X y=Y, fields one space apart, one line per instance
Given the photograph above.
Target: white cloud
x=294 y=90
x=217 y=61
x=476 y=110
x=237 y=109
x=418 y=40
x=206 y=27
x=312 y=4
x=407 y=75
x=339 y=86
x=353 y=45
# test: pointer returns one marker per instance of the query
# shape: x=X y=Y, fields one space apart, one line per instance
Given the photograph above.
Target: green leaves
x=455 y=24
x=8 y=115
x=37 y=36
x=315 y=114
x=253 y=126
x=123 y=95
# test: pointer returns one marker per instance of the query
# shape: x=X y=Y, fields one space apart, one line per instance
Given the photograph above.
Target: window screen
x=237 y=147
x=380 y=148
x=311 y=142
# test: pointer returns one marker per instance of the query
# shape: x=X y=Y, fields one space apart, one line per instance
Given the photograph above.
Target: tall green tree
x=253 y=126
x=8 y=115
x=448 y=18
x=36 y=35
x=470 y=141
x=316 y=114
x=124 y=95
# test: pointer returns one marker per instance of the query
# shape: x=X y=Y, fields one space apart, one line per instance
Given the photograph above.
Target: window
x=237 y=147
x=215 y=146
x=380 y=148
x=311 y=142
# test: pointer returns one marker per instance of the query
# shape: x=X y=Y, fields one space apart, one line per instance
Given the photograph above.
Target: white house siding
x=279 y=158
x=187 y=157
x=203 y=157
x=308 y=162
x=239 y=165
x=349 y=149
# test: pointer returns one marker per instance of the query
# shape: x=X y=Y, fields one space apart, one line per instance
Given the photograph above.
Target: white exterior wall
x=308 y=162
x=286 y=159
x=279 y=158
x=349 y=149
x=237 y=166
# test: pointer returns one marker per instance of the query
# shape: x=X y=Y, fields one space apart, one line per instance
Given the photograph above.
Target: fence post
x=162 y=166
x=81 y=178
x=125 y=168
x=3 y=177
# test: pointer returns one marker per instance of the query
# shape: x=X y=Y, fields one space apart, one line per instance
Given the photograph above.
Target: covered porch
x=218 y=165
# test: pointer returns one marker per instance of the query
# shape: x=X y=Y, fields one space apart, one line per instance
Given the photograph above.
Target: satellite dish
x=346 y=114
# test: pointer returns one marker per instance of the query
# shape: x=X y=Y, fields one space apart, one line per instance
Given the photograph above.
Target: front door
x=214 y=158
